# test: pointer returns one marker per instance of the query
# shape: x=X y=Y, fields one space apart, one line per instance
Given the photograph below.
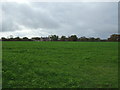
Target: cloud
x=22 y=14
x=98 y=19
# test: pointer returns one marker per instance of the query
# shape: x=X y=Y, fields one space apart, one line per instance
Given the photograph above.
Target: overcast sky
x=90 y=19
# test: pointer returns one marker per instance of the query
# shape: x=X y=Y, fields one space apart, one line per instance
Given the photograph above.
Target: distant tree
x=92 y=39
x=10 y=38
x=63 y=38
x=73 y=38
x=17 y=39
x=45 y=39
x=35 y=38
x=97 y=39
x=103 y=40
x=83 y=39
x=3 y=39
x=114 y=37
x=53 y=37
x=25 y=39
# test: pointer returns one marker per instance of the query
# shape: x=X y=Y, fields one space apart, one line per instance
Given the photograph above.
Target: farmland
x=33 y=64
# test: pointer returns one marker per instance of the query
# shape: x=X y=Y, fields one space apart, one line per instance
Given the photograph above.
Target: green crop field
x=59 y=64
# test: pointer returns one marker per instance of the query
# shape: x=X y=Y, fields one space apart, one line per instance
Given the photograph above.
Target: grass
x=60 y=64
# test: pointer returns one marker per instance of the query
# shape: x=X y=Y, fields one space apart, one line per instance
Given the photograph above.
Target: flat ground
x=60 y=64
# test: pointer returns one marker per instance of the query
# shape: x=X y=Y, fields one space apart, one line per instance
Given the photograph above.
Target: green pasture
x=32 y=64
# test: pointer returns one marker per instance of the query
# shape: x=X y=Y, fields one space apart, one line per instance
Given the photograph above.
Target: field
x=60 y=64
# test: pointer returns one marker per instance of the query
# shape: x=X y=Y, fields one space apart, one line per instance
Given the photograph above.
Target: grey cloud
x=17 y=14
x=82 y=19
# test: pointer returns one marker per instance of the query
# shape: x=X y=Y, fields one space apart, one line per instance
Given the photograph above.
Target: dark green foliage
x=3 y=38
x=53 y=37
x=83 y=39
x=114 y=37
x=91 y=39
x=17 y=38
x=25 y=38
x=97 y=39
x=60 y=64
x=63 y=38
x=73 y=38
x=35 y=38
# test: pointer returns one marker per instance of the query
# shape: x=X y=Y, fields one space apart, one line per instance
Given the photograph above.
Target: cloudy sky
x=90 y=19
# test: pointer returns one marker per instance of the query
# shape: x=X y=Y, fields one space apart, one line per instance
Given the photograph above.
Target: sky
x=36 y=19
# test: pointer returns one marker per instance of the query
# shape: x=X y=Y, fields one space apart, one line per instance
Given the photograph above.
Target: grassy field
x=60 y=64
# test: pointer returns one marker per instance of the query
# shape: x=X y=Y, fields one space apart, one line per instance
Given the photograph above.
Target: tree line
x=113 y=37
